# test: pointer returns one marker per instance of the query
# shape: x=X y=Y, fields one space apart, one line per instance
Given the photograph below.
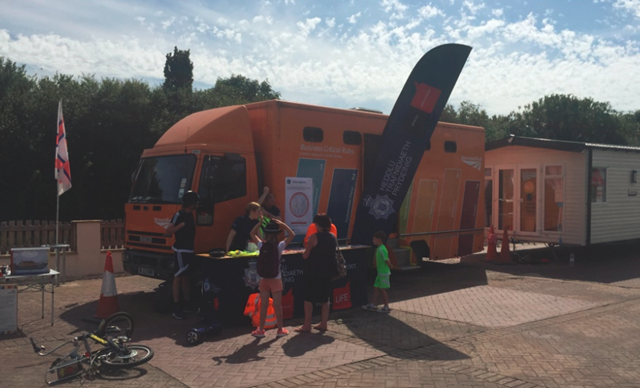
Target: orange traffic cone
x=492 y=239
x=108 y=303
x=505 y=253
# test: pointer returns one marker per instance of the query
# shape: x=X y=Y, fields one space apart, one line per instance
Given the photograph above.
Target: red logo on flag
x=287 y=305
x=342 y=298
x=425 y=98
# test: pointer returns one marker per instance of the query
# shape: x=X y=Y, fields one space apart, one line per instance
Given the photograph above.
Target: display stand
x=35 y=281
x=8 y=309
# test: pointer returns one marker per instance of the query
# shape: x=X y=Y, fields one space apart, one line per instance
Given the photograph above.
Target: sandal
x=320 y=328
x=301 y=330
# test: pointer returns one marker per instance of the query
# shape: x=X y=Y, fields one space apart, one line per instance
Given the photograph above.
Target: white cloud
x=632 y=6
x=308 y=25
x=313 y=59
x=167 y=23
x=429 y=11
x=395 y=7
x=353 y=19
x=472 y=7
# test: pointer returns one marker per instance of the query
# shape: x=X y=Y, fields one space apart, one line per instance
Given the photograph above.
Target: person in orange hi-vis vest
x=313 y=230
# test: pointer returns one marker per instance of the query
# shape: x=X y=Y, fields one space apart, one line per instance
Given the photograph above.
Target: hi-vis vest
x=252 y=310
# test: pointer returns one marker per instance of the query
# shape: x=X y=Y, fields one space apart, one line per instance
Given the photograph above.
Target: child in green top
x=382 y=280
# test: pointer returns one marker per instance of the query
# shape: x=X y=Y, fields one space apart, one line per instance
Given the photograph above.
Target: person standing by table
x=268 y=202
x=320 y=265
x=272 y=285
x=184 y=227
x=241 y=228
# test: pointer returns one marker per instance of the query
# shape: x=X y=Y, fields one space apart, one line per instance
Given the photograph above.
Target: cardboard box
x=26 y=261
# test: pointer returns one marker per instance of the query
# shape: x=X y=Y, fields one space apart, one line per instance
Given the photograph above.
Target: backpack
x=268 y=261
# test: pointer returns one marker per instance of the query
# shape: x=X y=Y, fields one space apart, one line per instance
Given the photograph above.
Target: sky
x=344 y=54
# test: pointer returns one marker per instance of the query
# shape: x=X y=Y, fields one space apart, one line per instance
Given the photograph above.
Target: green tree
x=238 y=89
x=109 y=123
x=566 y=117
x=178 y=71
x=449 y=114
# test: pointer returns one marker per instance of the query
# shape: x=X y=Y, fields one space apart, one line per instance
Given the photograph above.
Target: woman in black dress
x=319 y=267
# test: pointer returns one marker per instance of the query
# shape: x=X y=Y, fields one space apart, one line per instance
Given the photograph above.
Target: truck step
x=392 y=243
x=403 y=257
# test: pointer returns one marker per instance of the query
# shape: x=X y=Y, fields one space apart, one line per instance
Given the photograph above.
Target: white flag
x=63 y=172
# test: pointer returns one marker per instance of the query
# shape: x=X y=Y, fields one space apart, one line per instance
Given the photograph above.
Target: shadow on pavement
x=389 y=334
x=299 y=344
x=434 y=278
x=121 y=374
x=601 y=263
x=247 y=353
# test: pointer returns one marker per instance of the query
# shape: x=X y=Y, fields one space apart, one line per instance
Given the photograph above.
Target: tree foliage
x=178 y=71
x=558 y=117
x=109 y=123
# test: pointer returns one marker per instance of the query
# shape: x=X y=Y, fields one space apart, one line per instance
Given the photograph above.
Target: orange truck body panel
x=447 y=192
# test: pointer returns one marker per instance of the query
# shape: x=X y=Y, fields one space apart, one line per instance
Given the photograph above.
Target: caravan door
x=516 y=199
x=527 y=214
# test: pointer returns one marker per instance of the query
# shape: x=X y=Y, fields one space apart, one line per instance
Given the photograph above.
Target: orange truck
x=229 y=154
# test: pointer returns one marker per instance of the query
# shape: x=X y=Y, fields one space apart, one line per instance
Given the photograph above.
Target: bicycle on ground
x=114 y=334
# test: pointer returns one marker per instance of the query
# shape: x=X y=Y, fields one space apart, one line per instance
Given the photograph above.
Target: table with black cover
x=235 y=278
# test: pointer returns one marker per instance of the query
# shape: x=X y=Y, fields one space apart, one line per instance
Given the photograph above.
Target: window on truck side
x=351 y=138
x=450 y=147
x=313 y=134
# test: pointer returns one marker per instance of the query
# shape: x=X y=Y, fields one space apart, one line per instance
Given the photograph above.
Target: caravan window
x=553 y=198
x=598 y=184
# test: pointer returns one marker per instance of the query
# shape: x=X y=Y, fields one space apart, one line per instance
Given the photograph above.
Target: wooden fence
x=112 y=234
x=24 y=234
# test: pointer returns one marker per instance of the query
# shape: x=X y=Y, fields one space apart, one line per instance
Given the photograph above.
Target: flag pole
x=63 y=180
x=57 y=214
x=57 y=196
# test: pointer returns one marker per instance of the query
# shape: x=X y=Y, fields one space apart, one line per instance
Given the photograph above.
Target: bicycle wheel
x=134 y=355
x=119 y=324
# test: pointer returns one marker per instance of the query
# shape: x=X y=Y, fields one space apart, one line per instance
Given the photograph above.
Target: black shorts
x=316 y=290
x=183 y=263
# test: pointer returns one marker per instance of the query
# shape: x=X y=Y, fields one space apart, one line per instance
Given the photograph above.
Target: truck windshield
x=163 y=179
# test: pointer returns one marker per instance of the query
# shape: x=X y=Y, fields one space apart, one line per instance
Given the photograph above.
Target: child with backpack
x=269 y=270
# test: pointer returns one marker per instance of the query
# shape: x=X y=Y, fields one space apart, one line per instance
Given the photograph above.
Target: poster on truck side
x=299 y=204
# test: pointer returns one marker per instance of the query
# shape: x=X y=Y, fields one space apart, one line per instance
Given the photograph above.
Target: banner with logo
x=299 y=204
x=408 y=131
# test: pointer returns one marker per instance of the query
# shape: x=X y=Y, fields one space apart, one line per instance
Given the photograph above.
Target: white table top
x=30 y=275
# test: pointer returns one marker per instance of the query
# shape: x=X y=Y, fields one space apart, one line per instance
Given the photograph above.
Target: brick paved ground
x=471 y=324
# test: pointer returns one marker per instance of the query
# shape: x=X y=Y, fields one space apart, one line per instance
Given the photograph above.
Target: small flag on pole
x=63 y=172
